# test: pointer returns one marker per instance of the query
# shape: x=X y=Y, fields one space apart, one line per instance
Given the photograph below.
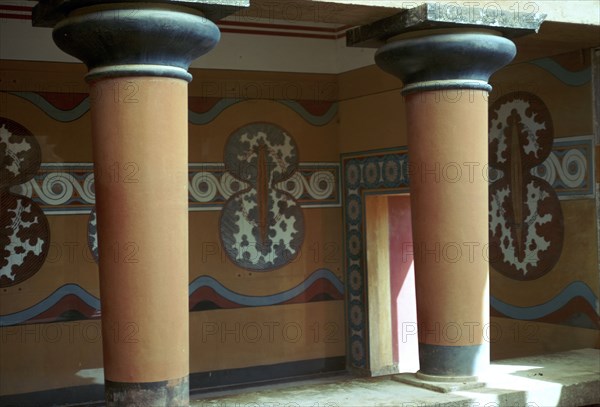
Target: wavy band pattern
x=321 y=285
x=575 y=290
x=54 y=112
x=567 y=77
x=309 y=117
x=22 y=317
x=197 y=118
x=263 y=301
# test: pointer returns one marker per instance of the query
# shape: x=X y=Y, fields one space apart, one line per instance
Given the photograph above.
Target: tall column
x=445 y=72
x=445 y=87
x=138 y=55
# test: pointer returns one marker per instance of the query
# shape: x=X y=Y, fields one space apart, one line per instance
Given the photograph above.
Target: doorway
x=393 y=342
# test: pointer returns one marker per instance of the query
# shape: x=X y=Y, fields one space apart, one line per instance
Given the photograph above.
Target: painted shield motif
x=526 y=221
x=24 y=231
x=262 y=226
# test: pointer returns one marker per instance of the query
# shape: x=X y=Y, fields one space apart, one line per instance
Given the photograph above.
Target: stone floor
x=561 y=379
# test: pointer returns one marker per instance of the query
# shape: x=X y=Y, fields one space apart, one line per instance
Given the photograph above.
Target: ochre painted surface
x=575 y=263
x=447 y=136
x=225 y=339
x=372 y=121
x=142 y=227
x=568 y=293
x=570 y=106
x=50 y=356
x=61 y=142
x=319 y=318
x=511 y=338
x=371 y=115
x=315 y=143
x=321 y=249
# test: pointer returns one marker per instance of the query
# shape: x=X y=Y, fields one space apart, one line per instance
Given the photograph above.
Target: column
x=445 y=55
x=445 y=77
x=138 y=56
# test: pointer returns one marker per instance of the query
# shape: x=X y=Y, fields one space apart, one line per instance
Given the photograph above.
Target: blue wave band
x=261 y=301
x=309 y=117
x=204 y=281
x=55 y=113
x=573 y=290
x=213 y=113
x=193 y=117
x=567 y=77
x=42 y=306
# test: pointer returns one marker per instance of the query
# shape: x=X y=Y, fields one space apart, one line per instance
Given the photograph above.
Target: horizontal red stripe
x=15 y=16
x=208 y=294
x=62 y=100
x=28 y=9
x=334 y=33
x=69 y=302
x=576 y=305
x=281 y=34
x=281 y=26
x=16 y=8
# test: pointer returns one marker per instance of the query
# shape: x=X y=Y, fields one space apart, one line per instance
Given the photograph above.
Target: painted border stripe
x=47 y=303
x=569 y=78
x=332 y=30
x=21 y=317
x=55 y=113
x=573 y=290
x=10 y=7
x=262 y=301
x=193 y=117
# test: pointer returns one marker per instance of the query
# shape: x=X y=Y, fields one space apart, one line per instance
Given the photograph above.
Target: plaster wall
x=242 y=315
x=243 y=318
x=528 y=314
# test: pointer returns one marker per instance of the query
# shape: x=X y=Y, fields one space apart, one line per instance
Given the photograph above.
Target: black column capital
x=446 y=45
x=150 y=38
x=446 y=60
x=47 y=13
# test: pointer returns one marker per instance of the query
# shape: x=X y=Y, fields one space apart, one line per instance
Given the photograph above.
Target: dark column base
x=452 y=361
x=170 y=393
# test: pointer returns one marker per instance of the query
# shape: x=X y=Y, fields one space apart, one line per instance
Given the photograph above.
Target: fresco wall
x=273 y=157
x=266 y=285
x=543 y=236
x=543 y=216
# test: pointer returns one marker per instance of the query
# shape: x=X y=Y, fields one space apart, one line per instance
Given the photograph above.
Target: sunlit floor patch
x=566 y=379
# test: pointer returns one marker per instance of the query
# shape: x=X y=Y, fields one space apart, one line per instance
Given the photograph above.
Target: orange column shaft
x=449 y=199
x=445 y=69
x=140 y=154
x=138 y=55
